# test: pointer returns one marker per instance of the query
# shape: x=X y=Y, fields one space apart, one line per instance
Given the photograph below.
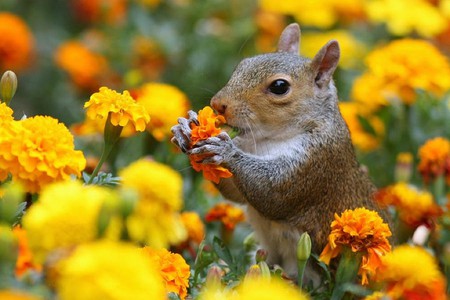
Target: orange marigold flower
x=362 y=230
x=414 y=207
x=85 y=67
x=123 y=108
x=25 y=258
x=434 y=158
x=5 y=119
x=411 y=272
x=194 y=226
x=173 y=269
x=207 y=127
x=38 y=151
x=230 y=215
x=16 y=42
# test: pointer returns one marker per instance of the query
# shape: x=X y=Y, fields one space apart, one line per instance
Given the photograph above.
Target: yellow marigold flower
x=352 y=50
x=38 y=151
x=396 y=70
x=255 y=288
x=376 y=296
x=404 y=17
x=156 y=220
x=123 y=108
x=361 y=230
x=414 y=207
x=173 y=269
x=165 y=104
x=194 y=226
x=434 y=158
x=85 y=67
x=16 y=42
x=410 y=272
x=148 y=58
x=54 y=221
x=230 y=215
x=97 y=126
x=362 y=139
x=107 y=270
x=5 y=119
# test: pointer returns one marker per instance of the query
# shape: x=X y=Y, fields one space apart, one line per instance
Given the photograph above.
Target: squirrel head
x=277 y=90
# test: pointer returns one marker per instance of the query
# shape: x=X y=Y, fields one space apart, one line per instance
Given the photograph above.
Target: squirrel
x=293 y=161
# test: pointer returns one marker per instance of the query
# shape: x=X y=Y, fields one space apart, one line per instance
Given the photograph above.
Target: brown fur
x=293 y=163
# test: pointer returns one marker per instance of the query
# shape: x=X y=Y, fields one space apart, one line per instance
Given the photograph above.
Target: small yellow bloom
x=410 y=272
x=38 y=151
x=122 y=107
x=165 y=104
x=156 y=219
x=54 y=221
x=173 y=269
x=107 y=270
x=434 y=158
x=362 y=230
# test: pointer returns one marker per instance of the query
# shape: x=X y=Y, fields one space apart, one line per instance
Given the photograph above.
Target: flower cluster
x=396 y=70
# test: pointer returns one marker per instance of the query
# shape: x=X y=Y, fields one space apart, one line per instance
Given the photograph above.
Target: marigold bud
x=261 y=255
x=8 y=86
x=304 y=247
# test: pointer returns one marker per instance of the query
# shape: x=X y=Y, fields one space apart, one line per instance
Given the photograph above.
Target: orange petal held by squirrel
x=206 y=128
x=292 y=160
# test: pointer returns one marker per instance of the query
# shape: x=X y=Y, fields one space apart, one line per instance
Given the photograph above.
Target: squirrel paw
x=216 y=149
x=182 y=131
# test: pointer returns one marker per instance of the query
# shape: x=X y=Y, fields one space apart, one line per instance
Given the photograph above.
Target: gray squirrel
x=293 y=161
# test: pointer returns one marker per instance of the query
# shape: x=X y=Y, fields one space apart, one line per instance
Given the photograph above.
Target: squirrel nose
x=217 y=104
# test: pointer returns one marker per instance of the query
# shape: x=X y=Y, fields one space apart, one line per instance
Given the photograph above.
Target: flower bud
x=214 y=276
x=249 y=242
x=253 y=272
x=8 y=86
x=404 y=167
x=304 y=247
x=265 y=271
x=261 y=255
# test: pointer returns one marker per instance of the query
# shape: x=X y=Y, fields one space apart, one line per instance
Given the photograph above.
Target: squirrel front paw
x=215 y=150
x=182 y=132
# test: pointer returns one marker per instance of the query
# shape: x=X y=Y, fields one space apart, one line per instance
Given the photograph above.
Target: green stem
x=347 y=272
x=301 y=271
x=111 y=136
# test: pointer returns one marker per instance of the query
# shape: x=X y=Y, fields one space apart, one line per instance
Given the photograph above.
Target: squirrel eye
x=279 y=87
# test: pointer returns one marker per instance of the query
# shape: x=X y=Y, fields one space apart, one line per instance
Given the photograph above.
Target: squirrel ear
x=325 y=62
x=290 y=39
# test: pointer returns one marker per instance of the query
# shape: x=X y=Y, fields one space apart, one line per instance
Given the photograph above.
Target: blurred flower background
x=149 y=62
